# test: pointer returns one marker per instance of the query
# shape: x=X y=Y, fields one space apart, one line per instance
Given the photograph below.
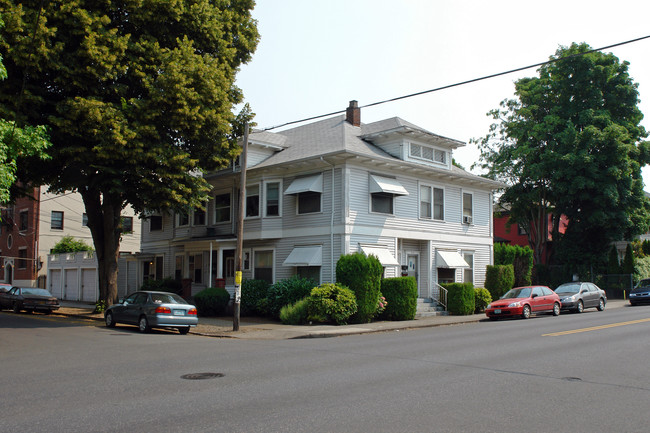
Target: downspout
x=331 y=225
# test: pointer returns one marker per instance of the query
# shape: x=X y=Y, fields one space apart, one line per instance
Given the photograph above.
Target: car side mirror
x=534 y=295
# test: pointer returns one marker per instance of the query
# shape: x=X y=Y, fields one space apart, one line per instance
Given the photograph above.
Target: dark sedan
x=577 y=296
x=640 y=294
x=149 y=310
x=29 y=299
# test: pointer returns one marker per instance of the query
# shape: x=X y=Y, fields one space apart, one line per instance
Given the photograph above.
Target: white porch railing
x=439 y=294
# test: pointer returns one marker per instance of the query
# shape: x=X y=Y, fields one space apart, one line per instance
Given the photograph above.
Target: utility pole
x=240 y=231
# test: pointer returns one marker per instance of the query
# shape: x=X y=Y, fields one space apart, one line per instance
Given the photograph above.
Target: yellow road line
x=595 y=328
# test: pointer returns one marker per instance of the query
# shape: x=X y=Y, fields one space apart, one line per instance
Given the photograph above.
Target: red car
x=524 y=301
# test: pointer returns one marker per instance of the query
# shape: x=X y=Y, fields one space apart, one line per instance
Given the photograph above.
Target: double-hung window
x=222 y=208
x=432 y=203
x=382 y=192
x=468 y=273
x=56 y=220
x=253 y=201
x=468 y=208
x=199 y=216
x=272 y=199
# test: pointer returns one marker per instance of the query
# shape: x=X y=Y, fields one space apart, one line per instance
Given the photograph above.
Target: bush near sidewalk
x=401 y=295
x=460 y=298
x=212 y=301
x=361 y=274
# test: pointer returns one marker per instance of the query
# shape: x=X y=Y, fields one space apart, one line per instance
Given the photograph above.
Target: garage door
x=88 y=285
x=71 y=285
x=55 y=283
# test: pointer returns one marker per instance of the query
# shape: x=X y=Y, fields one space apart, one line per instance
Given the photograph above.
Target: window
x=308 y=202
x=521 y=231
x=468 y=273
x=427 y=153
x=382 y=202
x=155 y=223
x=22 y=258
x=56 y=220
x=183 y=218
x=272 y=199
x=432 y=202
x=195 y=263
x=253 y=201
x=199 y=216
x=24 y=221
x=127 y=224
x=311 y=272
x=222 y=208
x=84 y=219
x=263 y=266
x=467 y=208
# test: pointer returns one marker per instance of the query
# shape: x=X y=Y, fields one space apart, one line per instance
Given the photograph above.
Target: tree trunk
x=104 y=221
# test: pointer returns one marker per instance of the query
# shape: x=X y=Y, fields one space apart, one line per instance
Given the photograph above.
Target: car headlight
x=515 y=304
x=489 y=306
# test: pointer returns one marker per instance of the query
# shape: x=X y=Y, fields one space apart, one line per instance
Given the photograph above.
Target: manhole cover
x=572 y=379
x=199 y=376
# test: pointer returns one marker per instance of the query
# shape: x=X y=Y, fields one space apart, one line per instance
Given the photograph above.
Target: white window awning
x=387 y=185
x=306 y=184
x=382 y=253
x=305 y=256
x=450 y=259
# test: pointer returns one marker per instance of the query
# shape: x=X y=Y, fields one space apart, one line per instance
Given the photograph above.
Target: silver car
x=149 y=310
x=577 y=296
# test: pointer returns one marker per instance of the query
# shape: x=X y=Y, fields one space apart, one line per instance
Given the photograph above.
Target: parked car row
x=525 y=301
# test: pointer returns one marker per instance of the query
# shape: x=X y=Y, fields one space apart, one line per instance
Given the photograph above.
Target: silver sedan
x=577 y=296
x=149 y=310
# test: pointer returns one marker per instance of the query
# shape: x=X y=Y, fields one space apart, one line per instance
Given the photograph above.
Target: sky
x=315 y=56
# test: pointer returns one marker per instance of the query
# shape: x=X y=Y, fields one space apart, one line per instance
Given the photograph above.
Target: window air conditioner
x=467 y=219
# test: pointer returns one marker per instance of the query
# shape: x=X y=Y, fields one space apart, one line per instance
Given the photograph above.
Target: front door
x=412 y=266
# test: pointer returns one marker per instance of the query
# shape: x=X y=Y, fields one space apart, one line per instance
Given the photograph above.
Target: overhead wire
x=461 y=83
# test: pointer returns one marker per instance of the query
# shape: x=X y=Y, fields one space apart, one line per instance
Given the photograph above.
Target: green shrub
x=362 y=275
x=482 y=298
x=68 y=244
x=296 y=313
x=164 y=285
x=499 y=279
x=521 y=258
x=253 y=292
x=402 y=296
x=212 y=301
x=331 y=303
x=628 y=261
x=287 y=292
x=460 y=298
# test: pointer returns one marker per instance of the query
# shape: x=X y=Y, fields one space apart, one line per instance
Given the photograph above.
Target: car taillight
x=192 y=312
x=163 y=310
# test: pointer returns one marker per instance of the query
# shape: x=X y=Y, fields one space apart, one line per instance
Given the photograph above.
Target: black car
x=640 y=294
x=576 y=296
x=29 y=299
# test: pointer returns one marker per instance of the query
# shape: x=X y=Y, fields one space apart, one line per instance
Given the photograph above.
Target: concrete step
x=429 y=307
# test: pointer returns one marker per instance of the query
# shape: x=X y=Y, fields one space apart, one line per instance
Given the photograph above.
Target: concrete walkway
x=255 y=328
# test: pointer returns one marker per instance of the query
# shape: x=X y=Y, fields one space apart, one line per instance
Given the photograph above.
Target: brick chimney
x=353 y=114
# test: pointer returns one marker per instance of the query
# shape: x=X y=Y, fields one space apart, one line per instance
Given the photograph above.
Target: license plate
x=497 y=311
x=179 y=312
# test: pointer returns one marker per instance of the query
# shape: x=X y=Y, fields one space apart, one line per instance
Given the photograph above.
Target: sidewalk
x=255 y=328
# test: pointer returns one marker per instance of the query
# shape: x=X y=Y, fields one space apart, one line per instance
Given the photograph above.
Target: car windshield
x=39 y=292
x=568 y=288
x=522 y=292
x=167 y=298
x=643 y=284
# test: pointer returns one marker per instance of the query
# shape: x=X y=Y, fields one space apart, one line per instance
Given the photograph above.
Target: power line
x=461 y=83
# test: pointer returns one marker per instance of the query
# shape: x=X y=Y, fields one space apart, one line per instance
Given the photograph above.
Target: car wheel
x=580 y=307
x=110 y=321
x=526 y=312
x=143 y=325
x=16 y=308
x=601 y=304
x=184 y=331
x=556 y=309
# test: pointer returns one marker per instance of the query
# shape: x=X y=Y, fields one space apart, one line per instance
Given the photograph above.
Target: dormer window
x=427 y=153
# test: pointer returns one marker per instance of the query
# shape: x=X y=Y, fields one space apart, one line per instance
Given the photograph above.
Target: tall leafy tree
x=138 y=95
x=571 y=144
x=16 y=142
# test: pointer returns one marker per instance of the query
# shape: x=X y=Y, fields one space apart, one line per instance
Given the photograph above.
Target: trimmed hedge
x=361 y=274
x=499 y=279
x=212 y=301
x=253 y=294
x=460 y=298
x=287 y=292
x=521 y=258
x=482 y=299
x=331 y=303
x=401 y=294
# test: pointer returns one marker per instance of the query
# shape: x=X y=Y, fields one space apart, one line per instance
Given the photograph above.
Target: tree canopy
x=139 y=98
x=571 y=143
